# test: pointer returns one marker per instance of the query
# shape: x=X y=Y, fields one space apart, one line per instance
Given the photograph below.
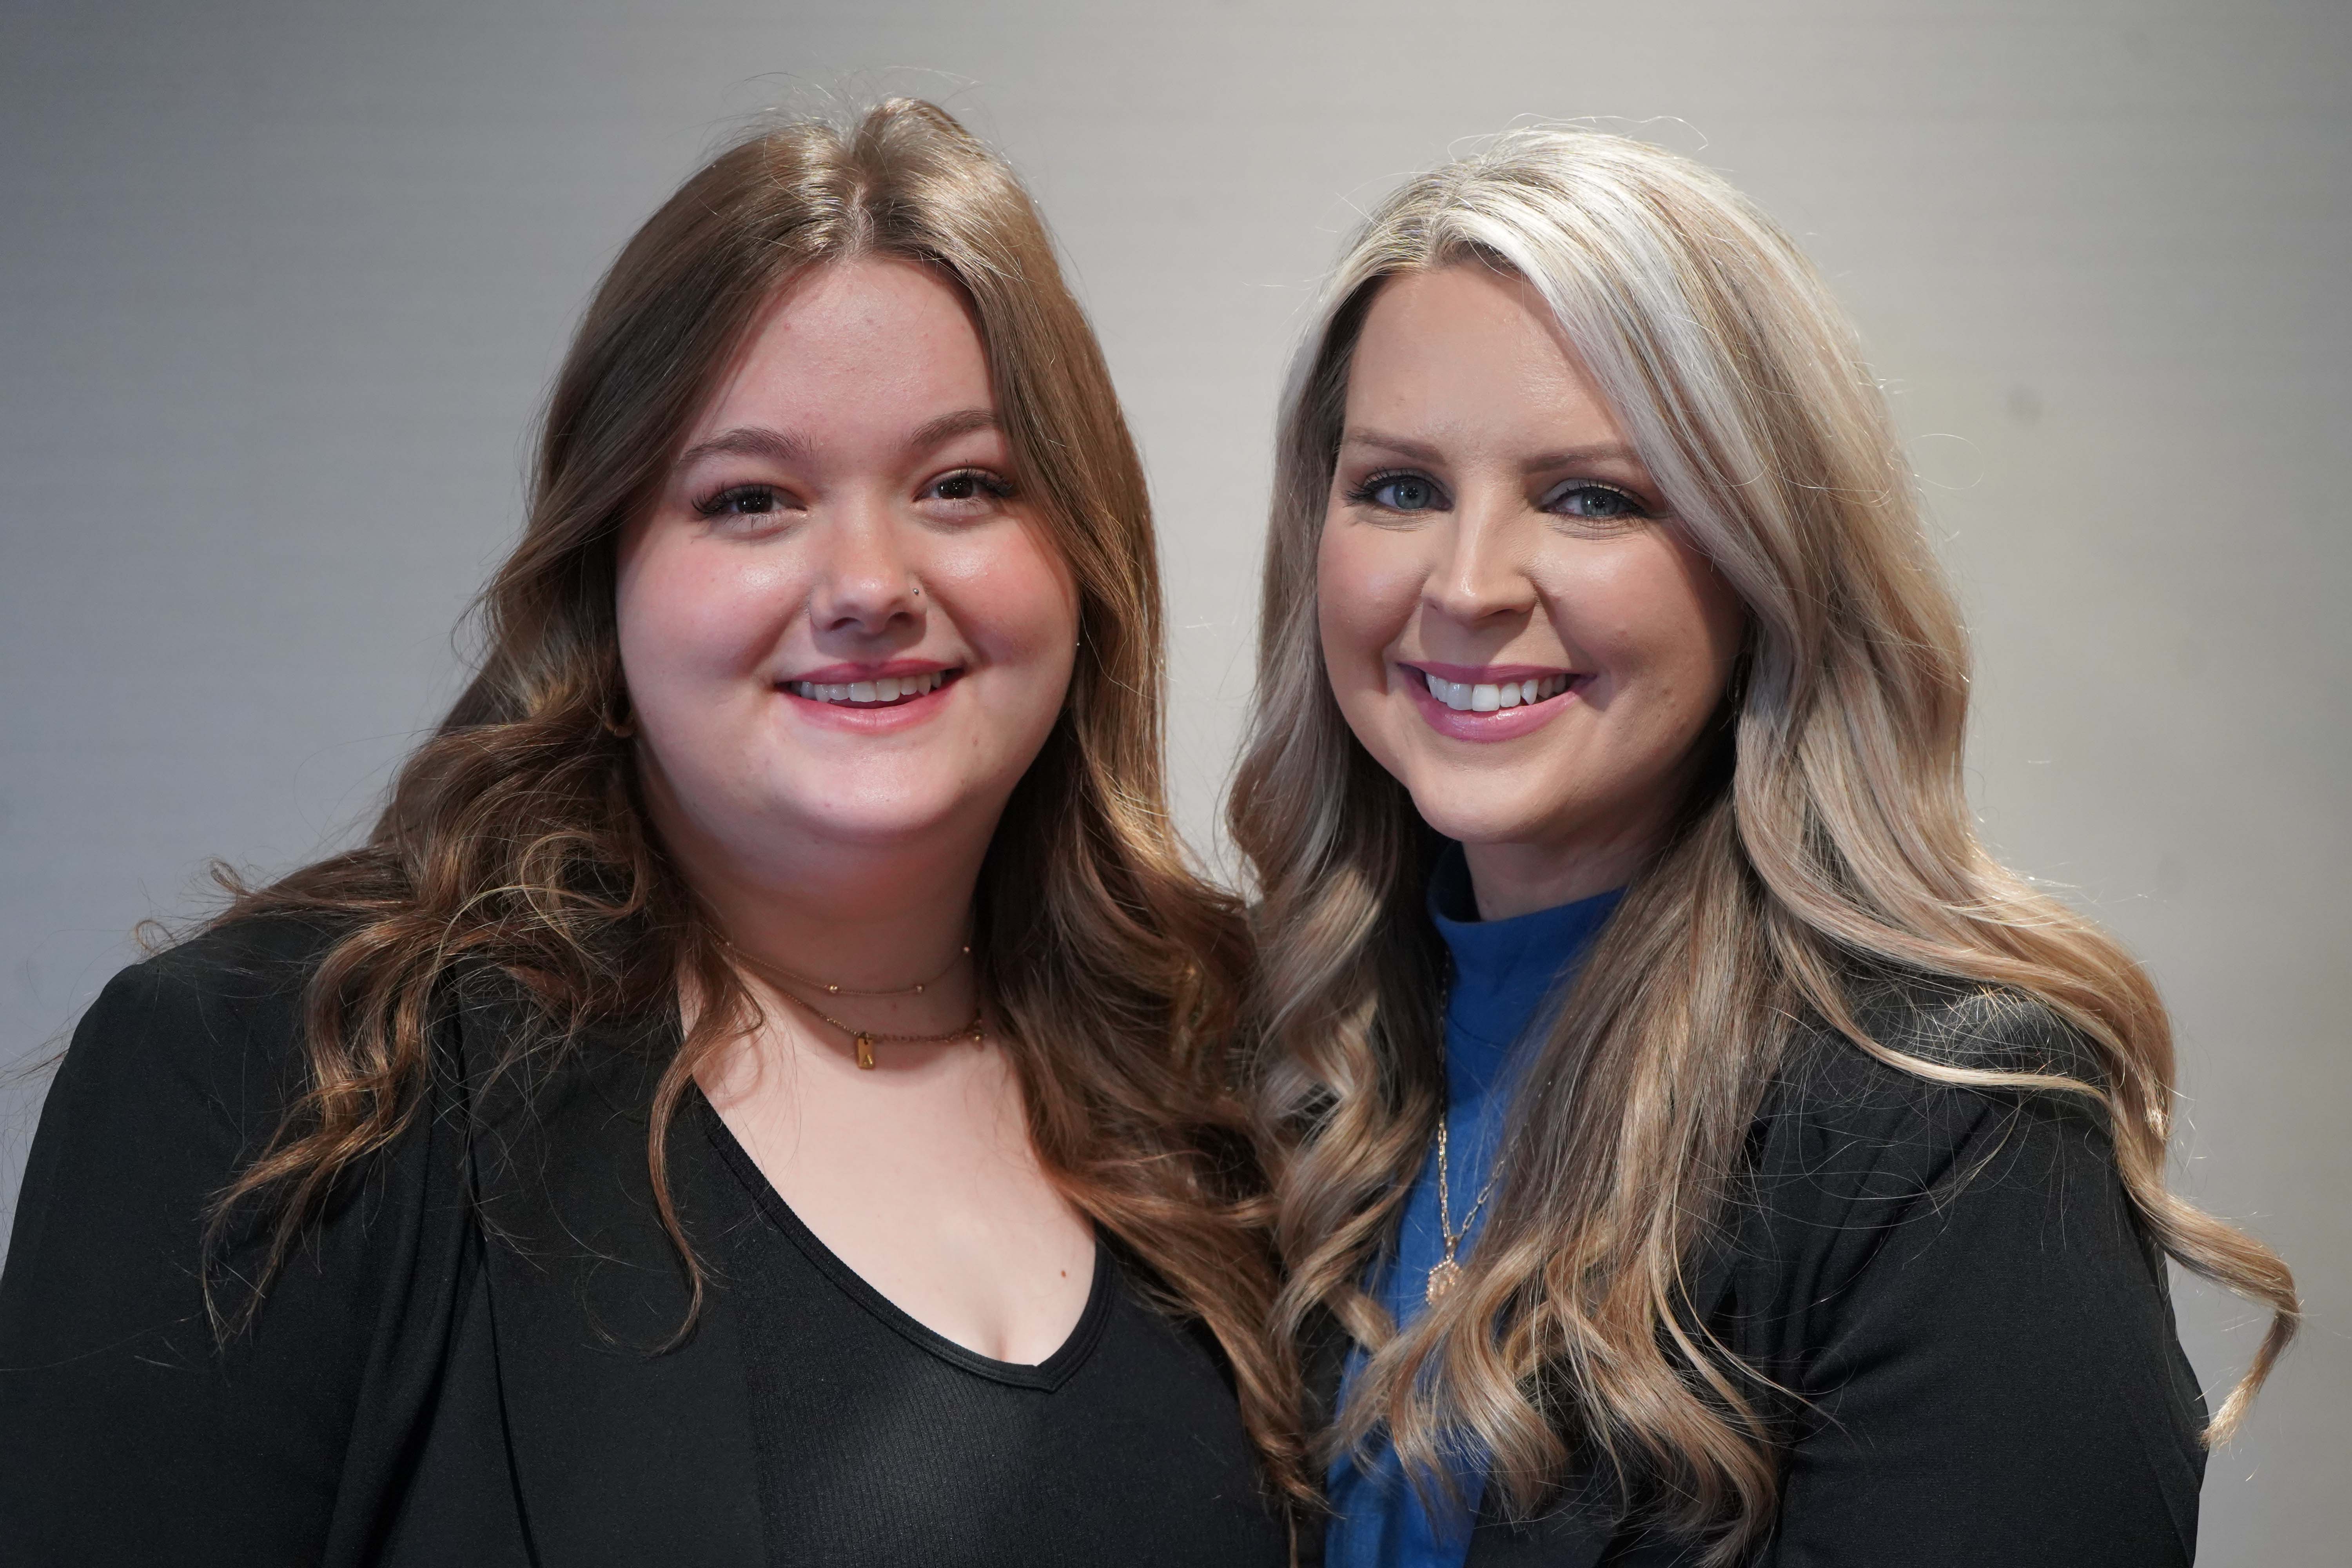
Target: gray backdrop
x=280 y=286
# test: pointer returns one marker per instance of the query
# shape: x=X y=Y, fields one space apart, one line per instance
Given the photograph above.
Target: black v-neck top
x=476 y=1355
x=880 y=1442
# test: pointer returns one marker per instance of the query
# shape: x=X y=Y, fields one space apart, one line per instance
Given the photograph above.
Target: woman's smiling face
x=840 y=621
x=1510 y=625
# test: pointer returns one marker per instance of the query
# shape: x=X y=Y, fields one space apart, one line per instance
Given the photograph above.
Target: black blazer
x=1956 y=1286
x=463 y=1403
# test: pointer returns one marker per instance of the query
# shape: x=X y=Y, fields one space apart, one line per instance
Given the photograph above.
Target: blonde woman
x=746 y=1103
x=1691 y=1146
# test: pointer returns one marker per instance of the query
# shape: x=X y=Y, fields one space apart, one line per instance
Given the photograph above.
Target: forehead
x=852 y=342
x=1472 y=354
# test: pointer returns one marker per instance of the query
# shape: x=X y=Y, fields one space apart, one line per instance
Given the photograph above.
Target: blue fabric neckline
x=1506 y=974
x=1504 y=970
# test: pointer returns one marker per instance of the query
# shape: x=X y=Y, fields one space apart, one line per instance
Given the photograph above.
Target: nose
x=1479 y=572
x=863 y=580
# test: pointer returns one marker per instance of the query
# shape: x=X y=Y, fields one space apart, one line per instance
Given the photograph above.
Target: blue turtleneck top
x=1504 y=972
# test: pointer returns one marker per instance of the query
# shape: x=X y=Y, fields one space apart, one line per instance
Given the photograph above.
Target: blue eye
x=1594 y=502
x=1398 y=492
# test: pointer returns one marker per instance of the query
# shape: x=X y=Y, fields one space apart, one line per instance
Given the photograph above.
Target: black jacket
x=1953 y=1279
x=411 y=1392
x=1952 y=1284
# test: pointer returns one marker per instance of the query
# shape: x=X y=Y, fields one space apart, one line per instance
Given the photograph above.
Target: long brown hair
x=1831 y=842
x=515 y=842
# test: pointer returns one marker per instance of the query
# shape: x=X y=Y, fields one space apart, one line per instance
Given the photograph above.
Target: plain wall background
x=280 y=286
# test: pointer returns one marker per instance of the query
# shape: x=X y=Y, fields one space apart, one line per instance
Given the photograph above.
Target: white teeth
x=1454 y=694
x=1464 y=698
x=889 y=689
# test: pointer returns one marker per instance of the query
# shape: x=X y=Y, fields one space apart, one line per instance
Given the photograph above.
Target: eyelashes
x=970 y=484
x=1408 y=492
x=1398 y=489
x=739 y=500
x=1591 y=501
x=958 y=489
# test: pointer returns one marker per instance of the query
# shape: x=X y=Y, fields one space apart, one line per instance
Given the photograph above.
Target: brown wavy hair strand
x=515 y=843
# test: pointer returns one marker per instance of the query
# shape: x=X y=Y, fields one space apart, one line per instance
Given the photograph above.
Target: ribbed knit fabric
x=1505 y=973
x=882 y=1443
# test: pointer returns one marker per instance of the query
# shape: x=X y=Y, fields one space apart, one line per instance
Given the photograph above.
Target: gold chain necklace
x=773 y=970
x=972 y=1029
x=1443 y=1275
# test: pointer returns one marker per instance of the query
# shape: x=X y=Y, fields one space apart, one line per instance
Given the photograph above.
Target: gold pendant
x=1442 y=1279
x=865 y=1052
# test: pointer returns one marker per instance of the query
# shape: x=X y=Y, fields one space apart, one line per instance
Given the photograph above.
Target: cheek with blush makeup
x=841 y=624
x=1511 y=622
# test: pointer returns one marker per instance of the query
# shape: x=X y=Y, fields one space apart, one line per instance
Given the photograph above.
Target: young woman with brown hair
x=752 y=1100
x=1691 y=1145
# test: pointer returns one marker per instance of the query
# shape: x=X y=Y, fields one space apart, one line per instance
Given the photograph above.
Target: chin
x=1477 y=821
x=881 y=818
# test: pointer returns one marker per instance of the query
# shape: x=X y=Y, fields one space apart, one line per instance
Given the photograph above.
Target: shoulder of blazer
x=1842 y=1127
x=244 y=986
x=1848 y=1150
x=1949 y=1023
x=191 y=1060
x=618 y=1454
x=1842 y=1141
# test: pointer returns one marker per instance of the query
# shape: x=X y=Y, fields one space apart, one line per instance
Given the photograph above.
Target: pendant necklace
x=1447 y=1270
x=867 y=1039
x=972 y=1029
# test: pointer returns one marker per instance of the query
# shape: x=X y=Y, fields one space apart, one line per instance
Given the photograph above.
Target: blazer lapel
x=621 y=1455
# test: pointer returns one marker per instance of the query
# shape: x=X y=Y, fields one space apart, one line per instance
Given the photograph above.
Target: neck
x=872 y=915
x=873 y=923
x=1507 y=879
x=1510 y=879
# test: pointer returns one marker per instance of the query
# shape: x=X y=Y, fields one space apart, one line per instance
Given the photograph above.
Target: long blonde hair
x=1830 y=839
x=516 y=842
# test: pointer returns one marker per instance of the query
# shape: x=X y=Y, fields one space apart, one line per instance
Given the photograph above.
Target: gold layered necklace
x=1447 y=1270
x=785 y=981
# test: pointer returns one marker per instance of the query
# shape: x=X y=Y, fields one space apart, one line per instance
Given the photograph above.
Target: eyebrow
x=749 y=441
x=1423 y=452
x=781 y=447
x=948 y=426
